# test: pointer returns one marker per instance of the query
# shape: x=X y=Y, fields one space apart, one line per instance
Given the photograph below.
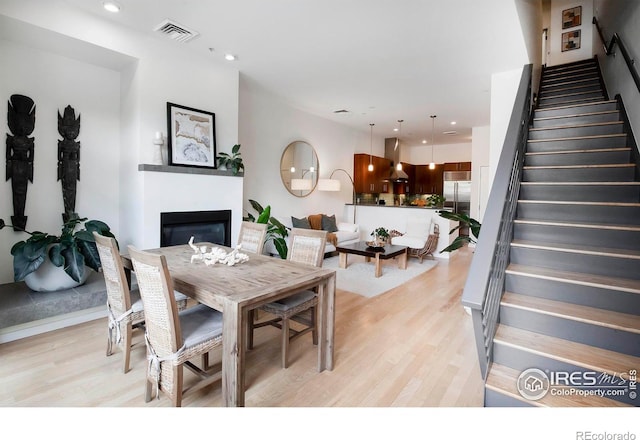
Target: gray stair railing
x=609 y=50
x=485 y=281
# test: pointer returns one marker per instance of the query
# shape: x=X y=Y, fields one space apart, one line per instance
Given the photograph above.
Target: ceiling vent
x=341 y=111
x=450 y=133
x=176 y=31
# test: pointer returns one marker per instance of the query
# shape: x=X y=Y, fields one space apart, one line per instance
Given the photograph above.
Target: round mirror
x=299 y=168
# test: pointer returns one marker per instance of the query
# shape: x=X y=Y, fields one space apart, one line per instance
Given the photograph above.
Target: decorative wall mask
x=21 y=118
x=69 y=159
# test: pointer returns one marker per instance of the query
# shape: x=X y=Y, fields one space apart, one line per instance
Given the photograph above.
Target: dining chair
x=252 y=236
x=124 y=307
x=306 y=246
x=173 y=337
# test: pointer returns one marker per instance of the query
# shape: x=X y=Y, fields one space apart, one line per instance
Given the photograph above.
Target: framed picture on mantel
x=191 y=136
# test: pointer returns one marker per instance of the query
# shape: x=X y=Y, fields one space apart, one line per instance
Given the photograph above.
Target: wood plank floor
x=410 y=347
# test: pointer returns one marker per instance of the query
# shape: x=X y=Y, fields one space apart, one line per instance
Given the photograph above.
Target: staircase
x=572 y=286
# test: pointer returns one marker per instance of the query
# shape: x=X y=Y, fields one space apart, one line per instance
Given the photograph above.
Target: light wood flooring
x=410 y=347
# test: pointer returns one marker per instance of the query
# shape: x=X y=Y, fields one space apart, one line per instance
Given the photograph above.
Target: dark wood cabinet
x=457 y=166
x=428 y=181
x=366 y=181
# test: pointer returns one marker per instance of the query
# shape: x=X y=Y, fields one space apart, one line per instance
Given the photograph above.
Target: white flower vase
x=49 y=278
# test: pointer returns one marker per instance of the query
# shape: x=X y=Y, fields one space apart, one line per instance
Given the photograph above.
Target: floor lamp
x=332 y=184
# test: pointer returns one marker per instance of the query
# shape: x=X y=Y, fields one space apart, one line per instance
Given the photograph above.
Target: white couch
x=347 y=233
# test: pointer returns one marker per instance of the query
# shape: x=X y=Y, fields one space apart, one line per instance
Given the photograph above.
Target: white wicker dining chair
x=306 y=246
x=124 y=306
x=173 y=337
x=252 y=236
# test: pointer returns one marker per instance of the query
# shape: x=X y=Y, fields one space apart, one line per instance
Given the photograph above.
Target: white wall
x=556 y=56
x=267 y=126
x=621 y=17
x=480 y=158
x=54 y=82
x=420 y=155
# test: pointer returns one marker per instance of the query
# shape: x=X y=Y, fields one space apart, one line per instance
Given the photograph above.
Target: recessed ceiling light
x=453 y=122
x=229 y=57
x=395 y=129
x=111 y=6
x=424 y=141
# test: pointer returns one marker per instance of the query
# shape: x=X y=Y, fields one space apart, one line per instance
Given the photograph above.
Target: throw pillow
x=329 y=223
x=300 y=223
x=315 y=220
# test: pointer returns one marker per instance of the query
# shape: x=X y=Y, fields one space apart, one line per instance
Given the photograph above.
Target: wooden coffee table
x=361 y=248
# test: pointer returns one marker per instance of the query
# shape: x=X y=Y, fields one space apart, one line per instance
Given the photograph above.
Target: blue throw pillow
x=329 y=223
x=302 y=223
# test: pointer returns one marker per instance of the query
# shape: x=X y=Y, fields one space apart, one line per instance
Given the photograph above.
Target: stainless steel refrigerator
x=457 y=193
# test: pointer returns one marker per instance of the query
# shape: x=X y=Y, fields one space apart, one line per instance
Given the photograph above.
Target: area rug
x=359 y=276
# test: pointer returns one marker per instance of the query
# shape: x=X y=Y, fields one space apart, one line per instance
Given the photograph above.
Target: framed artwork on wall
x=572 y=17
x=571 y=40
x=191 y=136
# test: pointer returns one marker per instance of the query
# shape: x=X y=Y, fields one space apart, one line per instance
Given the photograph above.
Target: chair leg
x=314 y=323
x=285 y=342
x=126 y=347
x=177 y=385
x=148 y=390
x=205 y=361
x=250 y=318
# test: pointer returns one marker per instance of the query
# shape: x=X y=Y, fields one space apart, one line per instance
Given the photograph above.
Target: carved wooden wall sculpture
x=21 y=118
x=69 y=159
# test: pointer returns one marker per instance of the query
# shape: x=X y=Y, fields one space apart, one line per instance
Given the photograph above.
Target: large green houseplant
x=73 y=249
x=276 y=231
x=462 y=219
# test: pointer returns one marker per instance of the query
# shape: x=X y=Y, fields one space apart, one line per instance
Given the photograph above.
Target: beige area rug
x=359 y=276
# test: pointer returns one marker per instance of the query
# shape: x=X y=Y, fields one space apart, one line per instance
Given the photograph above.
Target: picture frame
x=191 y=136
x=572 y=17
x=571 y=40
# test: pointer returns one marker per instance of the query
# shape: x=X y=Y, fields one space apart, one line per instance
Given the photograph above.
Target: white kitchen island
x=370 y=217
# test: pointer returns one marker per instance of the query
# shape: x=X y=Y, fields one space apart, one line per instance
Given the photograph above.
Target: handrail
x=485 y=281
x=608 y=49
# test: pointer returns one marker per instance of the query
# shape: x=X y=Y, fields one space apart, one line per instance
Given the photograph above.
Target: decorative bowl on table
x=375 y=245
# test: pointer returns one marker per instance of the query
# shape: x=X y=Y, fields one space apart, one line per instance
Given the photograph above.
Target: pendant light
x=370 y=167
x=400 y=121
x=432 y=165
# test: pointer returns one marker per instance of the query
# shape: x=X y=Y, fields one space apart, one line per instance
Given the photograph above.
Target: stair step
x=568 y=77
x=578 y=211
x=552 y=102
x=628 y=192
x=565 y=110
x=502 y=379
x=579 y=249
x=592 y=129
x=579 y=173
x=590 y=315
x=564 y=69
x=586 y=86
x=576 y=119
x=611 y=227
x=581 y=355
x=588 y=280
x=618 y=140
x=567 y=84
x=578 y=157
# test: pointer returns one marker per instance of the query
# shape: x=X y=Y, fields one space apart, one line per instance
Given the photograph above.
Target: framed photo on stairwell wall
x=571 y=40
x=572 y=17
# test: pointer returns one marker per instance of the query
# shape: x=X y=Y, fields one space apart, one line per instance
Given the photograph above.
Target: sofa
x=338 y=233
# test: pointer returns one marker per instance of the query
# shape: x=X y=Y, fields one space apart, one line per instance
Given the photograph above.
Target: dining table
x=236 y=289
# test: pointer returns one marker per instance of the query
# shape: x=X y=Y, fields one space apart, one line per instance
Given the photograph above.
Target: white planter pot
x=49 y=278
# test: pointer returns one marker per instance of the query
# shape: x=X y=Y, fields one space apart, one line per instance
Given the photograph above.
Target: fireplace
x=211 y=226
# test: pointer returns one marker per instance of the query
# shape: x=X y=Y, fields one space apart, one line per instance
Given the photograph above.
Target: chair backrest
x=160 y=309
x=252 y=236
x=118 y=294
x=418 y=227
x=307 y=246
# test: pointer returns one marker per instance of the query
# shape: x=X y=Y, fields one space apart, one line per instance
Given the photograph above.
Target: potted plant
x=435 y=201
x=380 y=235
x=276 y=231
x=231 y=161
x=462 y=219
x=36 y=259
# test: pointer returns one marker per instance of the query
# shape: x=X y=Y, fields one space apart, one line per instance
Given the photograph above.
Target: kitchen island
x=370 y=217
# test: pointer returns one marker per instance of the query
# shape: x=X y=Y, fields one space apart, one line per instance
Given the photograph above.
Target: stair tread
x=565 y=127
x=573 y=101
x=503 y=379
x=575 y=353
x=575 y=94
x=592 y=150
x=599 y=281
x=575 y=312
x=580 y=105
x=579 y=249
x=588 y=225
x=575 y=138
x=600 y=165
x=577 y=115
x=578 y=202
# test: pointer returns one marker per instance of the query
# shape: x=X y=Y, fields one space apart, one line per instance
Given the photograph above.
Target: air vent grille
x=450 y=133
x=341 y=111
x=176 y=31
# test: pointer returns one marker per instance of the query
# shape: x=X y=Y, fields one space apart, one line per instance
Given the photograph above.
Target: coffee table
x=385 y=253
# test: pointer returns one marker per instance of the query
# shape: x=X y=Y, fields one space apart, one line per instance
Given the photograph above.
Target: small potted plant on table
x=380 y=236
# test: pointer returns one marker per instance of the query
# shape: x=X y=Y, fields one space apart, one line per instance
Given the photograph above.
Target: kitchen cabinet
x=366 y=181
x=428 y=181
x=457 y=166
x=406 y=187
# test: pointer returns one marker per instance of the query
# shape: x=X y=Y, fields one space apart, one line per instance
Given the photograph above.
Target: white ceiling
x=382 y=60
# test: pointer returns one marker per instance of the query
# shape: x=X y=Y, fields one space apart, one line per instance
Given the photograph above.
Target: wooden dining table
x=234 y=290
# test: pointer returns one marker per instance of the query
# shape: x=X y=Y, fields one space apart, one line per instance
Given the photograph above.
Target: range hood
x=392 y=147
